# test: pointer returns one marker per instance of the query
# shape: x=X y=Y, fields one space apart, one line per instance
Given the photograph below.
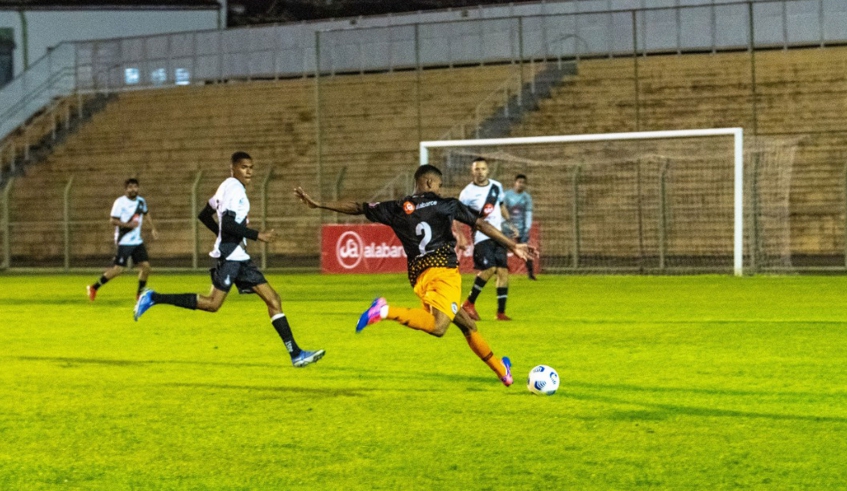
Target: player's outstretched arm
x=523 y=251
x=461 y=239
x=231 y=227
x=346 y=207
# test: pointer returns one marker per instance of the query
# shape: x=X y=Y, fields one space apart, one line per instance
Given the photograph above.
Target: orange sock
x=418 y=319
x=483 y=351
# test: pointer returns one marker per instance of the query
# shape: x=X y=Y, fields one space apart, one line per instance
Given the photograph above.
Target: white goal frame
x=736 y=133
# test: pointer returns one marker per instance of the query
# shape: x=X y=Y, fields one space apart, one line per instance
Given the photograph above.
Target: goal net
x=669 y=202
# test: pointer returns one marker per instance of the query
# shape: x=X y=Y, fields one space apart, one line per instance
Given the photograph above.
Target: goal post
x=481 y=146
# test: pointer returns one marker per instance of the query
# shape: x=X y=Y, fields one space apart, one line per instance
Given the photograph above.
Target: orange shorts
x=441 y=289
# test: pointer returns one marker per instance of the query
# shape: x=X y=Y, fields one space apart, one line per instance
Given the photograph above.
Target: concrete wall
x=49 y=28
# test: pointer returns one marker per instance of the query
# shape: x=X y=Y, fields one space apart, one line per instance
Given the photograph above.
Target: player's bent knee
x=207 y=304
x=441 y=326
x=274 y=305
x=464 y=322
x=466 y=331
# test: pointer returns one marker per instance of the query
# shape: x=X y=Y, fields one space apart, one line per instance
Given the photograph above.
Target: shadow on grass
x=659 y=411
x=71 y=302
x=113 y=362
x=712 y=392
x=410 y=374
x=700 y=321
x=311 y=391
x=370 y=373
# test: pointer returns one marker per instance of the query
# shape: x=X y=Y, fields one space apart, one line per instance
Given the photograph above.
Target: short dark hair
x=129 y=181
x=425 y=170
x=240 y=156
x=520 y=176
x=479 y=159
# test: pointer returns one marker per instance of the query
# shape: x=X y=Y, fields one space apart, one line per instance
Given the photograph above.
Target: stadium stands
x=369 y=134
x=164 y=138
x=798 y=94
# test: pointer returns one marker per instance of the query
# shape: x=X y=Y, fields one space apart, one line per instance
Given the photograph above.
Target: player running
x=423 y=223
x=128 y=213
x=485 y=197
x=234 y=265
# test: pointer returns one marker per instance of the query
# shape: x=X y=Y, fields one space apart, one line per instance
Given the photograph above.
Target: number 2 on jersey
x=426 y=230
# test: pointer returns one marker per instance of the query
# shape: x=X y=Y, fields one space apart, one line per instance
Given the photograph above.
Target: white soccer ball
x=542 y=380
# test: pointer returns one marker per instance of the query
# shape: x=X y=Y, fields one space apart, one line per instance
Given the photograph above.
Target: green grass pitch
x=680 y=383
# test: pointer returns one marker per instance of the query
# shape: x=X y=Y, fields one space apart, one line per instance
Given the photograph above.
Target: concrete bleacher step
x=798 y=91
x=369 y=126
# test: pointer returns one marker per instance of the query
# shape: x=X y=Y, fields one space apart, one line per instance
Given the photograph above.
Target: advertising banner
x=373 y=248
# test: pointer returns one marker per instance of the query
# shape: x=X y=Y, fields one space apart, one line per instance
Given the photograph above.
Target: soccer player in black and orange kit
x=423 y=223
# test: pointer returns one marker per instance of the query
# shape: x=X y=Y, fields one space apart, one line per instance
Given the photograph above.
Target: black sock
x=141 y=285
x=502 y=296
x=184 y=300
x=280 y=323
x=102 y=281
x=478 y=284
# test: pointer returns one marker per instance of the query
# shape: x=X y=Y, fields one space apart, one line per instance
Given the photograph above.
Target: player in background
x=485 y=197
x=128 y=213
x=519 y=204
x=423 y=223
x=234 y=265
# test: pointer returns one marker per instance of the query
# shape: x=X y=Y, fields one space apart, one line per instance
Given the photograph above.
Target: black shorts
x=488 y=254
x=138 y=253
x=244 y=274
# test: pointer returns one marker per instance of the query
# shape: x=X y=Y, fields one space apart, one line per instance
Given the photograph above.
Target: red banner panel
x=374 y=248
x=361 y=249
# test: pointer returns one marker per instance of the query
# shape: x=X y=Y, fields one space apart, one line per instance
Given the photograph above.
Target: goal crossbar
x=736 y=133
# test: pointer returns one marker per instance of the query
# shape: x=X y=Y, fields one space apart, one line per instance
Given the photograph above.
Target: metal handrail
x=21 y=105
x=504 y=88
x=36 y=92
x=9 y=140
x=55 y=102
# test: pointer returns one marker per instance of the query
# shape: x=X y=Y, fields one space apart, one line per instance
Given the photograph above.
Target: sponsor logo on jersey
x=428 y=203
x=350 y=249
x=487 y=209
x=409 y=207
